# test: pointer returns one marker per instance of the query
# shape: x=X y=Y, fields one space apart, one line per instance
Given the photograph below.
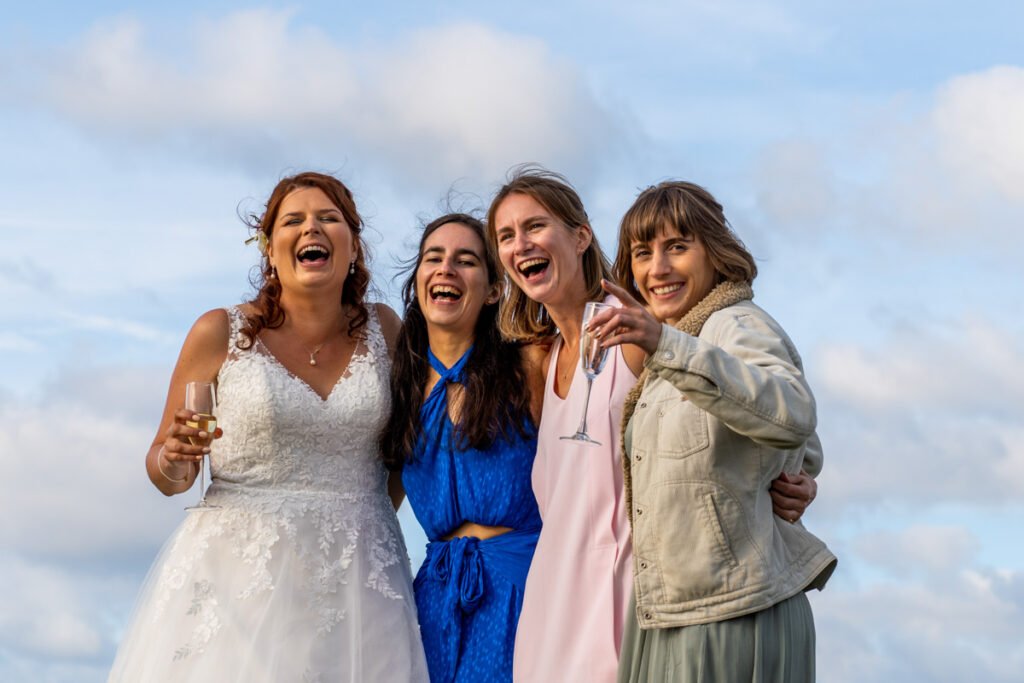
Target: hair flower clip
x=260 y=238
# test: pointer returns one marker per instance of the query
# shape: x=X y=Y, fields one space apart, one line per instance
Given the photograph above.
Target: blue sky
x=870 y=154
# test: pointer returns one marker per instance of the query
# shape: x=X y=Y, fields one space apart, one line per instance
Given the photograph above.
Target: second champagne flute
x=592 y=358
x=201 y=400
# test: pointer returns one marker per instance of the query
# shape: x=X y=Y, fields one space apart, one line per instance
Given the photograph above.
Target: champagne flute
x=201 y=400
x=592 y=358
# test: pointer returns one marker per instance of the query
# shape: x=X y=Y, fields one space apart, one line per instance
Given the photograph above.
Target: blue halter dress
x=469 y=591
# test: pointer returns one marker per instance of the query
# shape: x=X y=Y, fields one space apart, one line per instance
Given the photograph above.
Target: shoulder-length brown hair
x=267 y=302
x=521 y=318
x=694 y=212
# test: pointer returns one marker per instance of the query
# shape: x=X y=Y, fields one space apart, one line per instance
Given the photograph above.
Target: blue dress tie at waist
x=458 y=564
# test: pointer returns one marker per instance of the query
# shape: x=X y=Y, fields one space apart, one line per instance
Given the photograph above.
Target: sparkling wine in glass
x=201 y=400
x=592 y=359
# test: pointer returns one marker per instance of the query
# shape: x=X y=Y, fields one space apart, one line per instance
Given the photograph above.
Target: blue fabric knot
x=435 y=407
x=458 y=565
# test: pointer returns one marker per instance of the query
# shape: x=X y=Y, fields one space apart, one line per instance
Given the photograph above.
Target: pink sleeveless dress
x=581 y=578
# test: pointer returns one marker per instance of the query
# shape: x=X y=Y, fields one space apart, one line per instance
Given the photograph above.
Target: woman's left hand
x=627 y=324
x=791 y=494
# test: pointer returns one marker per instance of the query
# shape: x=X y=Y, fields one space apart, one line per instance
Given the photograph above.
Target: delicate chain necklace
x=564 y=375
x=312 y=354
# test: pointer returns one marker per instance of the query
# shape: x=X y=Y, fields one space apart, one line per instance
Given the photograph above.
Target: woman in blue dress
x=462 y=430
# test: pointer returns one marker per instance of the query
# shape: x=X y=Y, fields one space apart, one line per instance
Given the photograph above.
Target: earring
x=273 y=272
x=352 y=268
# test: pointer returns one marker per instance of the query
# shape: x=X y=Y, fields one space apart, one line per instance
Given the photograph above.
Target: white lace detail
x=301 y=490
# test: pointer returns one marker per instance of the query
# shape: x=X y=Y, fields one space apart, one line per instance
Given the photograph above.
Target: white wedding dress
x=302 y=574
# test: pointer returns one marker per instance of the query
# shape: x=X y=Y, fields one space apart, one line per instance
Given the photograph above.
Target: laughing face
x=541 y=255
x=673 y=273
x=311 y=244
x=452 y=279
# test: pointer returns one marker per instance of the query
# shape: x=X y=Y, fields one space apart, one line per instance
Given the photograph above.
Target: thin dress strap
x=374 y=338
x=236 y=321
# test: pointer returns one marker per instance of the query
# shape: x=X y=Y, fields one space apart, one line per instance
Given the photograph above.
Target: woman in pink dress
x=580 y=581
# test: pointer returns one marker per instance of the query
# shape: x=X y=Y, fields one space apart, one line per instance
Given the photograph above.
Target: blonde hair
x=521 y=318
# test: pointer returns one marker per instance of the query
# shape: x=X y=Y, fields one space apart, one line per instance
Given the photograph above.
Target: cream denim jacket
x=720 y=416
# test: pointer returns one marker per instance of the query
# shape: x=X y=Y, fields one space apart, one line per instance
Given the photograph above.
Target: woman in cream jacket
x=721 y=409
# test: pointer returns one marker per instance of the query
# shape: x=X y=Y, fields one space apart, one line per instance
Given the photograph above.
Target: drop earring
x=352 y=268
x=273 y=272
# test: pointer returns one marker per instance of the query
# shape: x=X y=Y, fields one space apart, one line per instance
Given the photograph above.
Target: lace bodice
x=279 y=433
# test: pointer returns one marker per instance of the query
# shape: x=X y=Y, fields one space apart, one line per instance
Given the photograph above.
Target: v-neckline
x=554 y=379
x=323 y=399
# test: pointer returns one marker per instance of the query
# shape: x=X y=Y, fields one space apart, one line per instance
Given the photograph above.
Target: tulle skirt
x=277 y=588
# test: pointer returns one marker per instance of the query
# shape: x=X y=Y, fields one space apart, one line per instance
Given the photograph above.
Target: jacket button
x=639 y=511
x=647 y=615
x=643 y=404
x=668 y=355
x=643 y=565
x=639 y=457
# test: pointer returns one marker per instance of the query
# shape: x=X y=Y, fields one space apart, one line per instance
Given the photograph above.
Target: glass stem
x=582 y=429
x=202 y=480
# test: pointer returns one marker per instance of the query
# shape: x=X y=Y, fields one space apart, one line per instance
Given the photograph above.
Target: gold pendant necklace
x=312 y=354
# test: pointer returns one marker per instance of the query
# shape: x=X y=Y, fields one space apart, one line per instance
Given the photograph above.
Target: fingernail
x=202 y=435
x=206 y=449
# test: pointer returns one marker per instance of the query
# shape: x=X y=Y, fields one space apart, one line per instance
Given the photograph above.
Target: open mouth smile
x=313 y=254
x=532 y=268
x=445 y=294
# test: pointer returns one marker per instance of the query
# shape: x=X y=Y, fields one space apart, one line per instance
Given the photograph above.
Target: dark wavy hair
x=267 y=301
x=496 y=399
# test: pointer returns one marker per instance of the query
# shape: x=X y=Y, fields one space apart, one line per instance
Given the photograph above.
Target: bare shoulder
x=212 y=329
x=390 y=324
x=205 y=347
x=535 y=356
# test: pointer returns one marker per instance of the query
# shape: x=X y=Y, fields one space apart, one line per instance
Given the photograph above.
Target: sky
x=870 y=154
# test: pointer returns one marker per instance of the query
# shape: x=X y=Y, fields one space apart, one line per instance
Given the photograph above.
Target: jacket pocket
x=682 y=427
x=697 y=527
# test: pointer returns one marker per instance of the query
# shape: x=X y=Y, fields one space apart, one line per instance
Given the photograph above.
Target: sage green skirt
x=775 y=645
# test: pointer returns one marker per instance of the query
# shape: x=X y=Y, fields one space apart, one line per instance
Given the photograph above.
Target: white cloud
x=102 y=323
x=967 y=363
x=450 y=101
x=978 y=120
x=795 y=185
x=45 y=616
x=939 y=167
x=922 y=417
x=962 y=627
x=76 y=457
x=12 y=341
x=919 y=549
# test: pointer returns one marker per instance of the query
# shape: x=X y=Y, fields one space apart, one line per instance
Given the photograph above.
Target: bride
x=301 y=574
